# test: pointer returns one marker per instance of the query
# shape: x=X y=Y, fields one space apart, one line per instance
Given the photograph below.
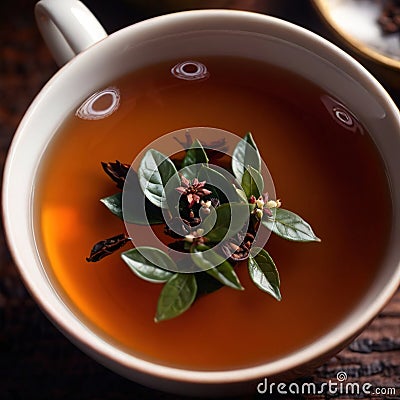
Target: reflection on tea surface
x=100 y=104
x=341 y=114
x=190 y=71
x=320 y=169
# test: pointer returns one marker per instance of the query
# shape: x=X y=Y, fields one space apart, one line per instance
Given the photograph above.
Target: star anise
x=193 y=191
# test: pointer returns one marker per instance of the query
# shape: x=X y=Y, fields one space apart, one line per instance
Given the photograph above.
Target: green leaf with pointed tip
x=154 y=172
x=231 y=218
x=244 y=154
x=216 y=266
x=242 y=196
x=290 y=226
x=153 y=214
x=252 y=182
x=114 y=204
x=150 y=263
x=218 y=183
x=195 y=155
x=264 y=274
x=176 y=296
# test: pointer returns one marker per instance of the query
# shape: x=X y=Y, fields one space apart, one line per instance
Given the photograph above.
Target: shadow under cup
x=353 y=98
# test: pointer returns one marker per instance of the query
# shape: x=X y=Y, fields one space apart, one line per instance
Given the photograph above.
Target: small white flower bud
x=260 y=203
x=272 y=204
x=189 y=238
x=206 y=204
x=204 y=211
x=234 y=246
x=258 y=213
x=199 y=232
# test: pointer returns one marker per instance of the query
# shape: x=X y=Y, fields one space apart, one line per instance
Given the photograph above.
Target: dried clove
x=106 y=247
x=117 y=172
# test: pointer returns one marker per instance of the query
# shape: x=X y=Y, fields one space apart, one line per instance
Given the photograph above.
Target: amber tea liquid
x=322 y=170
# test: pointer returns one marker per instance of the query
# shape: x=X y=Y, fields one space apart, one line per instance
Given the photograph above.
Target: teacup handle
x=67 y=27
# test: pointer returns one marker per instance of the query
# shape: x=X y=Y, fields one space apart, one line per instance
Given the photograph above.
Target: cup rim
x=89 y=341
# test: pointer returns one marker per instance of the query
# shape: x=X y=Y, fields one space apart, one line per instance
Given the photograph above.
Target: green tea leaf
x=176 y=296
x=137 y=208
x=154 y=172
x=153 y=214
x=264 y=274
x=114 y=204
x=195 y=155
x=244 y=154
x=149 y=262
x=242 y=196
x=221 y=188
x=252 y=182
x=216 y=266
x=230 y=219
x=290 y=226
x=206 y=284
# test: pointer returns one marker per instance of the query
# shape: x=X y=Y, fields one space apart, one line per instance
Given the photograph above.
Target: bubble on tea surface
x=190 y=71
x=100 y=104
x=220 y=145
x=341 y=114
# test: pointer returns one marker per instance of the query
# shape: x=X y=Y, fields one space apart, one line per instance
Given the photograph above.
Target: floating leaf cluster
x=216 y=233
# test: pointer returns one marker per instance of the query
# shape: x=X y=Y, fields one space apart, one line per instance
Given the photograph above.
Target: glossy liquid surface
x=322 y=170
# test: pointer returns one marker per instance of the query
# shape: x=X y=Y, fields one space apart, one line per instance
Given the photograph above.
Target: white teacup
x=69 y=28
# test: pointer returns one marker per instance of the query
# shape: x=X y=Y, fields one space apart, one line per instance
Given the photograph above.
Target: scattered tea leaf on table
x=216 y=266
x=176 y=296
x=231 y=219
x=154 y=172
x=252 y=182
x=244 y=154
x=150 y=264
x=264 y=274
x=290 y=226
x=195 y=155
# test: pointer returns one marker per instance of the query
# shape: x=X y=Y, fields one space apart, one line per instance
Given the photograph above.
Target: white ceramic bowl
x=182 y=35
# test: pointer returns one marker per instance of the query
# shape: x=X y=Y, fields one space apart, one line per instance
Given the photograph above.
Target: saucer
x=356 y=24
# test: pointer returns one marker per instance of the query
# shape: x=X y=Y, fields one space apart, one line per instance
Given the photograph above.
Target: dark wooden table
x=36 y=361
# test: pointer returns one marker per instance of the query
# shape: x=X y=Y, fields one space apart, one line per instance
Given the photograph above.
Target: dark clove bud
x=107 y=247
x=116 y=171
